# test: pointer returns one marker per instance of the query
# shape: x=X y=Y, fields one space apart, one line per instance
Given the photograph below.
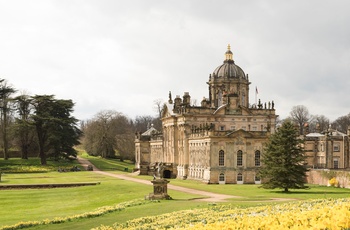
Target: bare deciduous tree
x=142 y=123
x=342 y=123
x=319 y=123
x=300 y=115
x=158 y=106
x=109 y=131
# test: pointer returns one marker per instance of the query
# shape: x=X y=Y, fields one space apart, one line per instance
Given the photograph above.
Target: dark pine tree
x=283 y=160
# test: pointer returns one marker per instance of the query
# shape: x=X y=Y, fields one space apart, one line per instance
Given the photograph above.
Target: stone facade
x=327 y=150
x=220 y=141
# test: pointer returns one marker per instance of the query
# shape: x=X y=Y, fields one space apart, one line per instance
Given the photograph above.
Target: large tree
x=143 y=123
x=99 y=135
x=321 y=122
x=56 y=129
x=5 y=98
x=342 y=123
x=23 y=128
x=283 y=160
x=300 y=115
x=107 y=133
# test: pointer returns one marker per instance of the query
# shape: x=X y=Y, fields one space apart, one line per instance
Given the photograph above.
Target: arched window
x=222 y=177
x=239 y=177
x=221 y=158
x=239 y=158
x=257 y=158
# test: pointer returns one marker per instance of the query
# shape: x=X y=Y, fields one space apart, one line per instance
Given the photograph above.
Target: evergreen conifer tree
x=283 y=160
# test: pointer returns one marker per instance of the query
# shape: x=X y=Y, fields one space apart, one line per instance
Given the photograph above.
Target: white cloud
x=123 y=55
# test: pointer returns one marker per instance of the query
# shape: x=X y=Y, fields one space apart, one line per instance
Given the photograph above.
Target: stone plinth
x=160 y=190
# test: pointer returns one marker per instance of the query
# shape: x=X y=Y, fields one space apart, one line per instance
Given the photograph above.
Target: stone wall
x=322 y=177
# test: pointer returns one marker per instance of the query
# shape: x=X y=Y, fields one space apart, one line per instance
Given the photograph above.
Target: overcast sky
x=124 y=55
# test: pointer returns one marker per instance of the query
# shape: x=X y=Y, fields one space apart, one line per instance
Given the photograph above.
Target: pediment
x=240 y=134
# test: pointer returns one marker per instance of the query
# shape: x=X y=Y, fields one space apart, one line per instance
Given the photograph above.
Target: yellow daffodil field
x=312 y=214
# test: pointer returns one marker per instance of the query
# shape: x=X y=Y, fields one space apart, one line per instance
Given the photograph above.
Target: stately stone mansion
x=222 y=140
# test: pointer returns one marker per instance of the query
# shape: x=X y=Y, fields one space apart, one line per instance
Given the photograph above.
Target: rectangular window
x=233 y=128
x=336 y=148
x=335 y=163
x=222 y=128
x=255 y=128
x=244 y=128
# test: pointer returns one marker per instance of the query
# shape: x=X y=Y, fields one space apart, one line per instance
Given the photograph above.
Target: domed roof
x=229 y=69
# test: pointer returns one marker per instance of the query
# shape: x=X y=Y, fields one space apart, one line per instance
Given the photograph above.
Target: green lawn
x=39 y=204
x=254 y=192
x=110 y=164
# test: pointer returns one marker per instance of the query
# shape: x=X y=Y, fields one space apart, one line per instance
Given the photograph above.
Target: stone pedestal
x=160 y=190
x=144 y=170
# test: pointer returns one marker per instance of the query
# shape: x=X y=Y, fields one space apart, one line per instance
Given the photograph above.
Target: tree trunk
x=4 y=134
x=24 y=151
x=41 y=142
x=286 y=190
x=42 y=158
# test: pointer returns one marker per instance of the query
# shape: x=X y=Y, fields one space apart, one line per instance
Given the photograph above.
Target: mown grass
x=39 y=204
x=152 y=209
x=109 y=164
x=251 y=192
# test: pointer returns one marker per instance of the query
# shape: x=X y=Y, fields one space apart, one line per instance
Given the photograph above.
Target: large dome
x=229 y=69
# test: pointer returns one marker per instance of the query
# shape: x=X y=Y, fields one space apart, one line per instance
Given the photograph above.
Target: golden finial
x=228 y=54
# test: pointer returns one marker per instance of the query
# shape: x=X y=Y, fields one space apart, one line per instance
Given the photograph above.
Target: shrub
x=333 y=182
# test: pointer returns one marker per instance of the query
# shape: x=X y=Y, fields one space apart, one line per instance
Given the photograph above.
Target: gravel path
x=209 y=196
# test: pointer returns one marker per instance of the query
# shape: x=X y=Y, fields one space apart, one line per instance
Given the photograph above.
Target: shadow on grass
x=310 y=192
